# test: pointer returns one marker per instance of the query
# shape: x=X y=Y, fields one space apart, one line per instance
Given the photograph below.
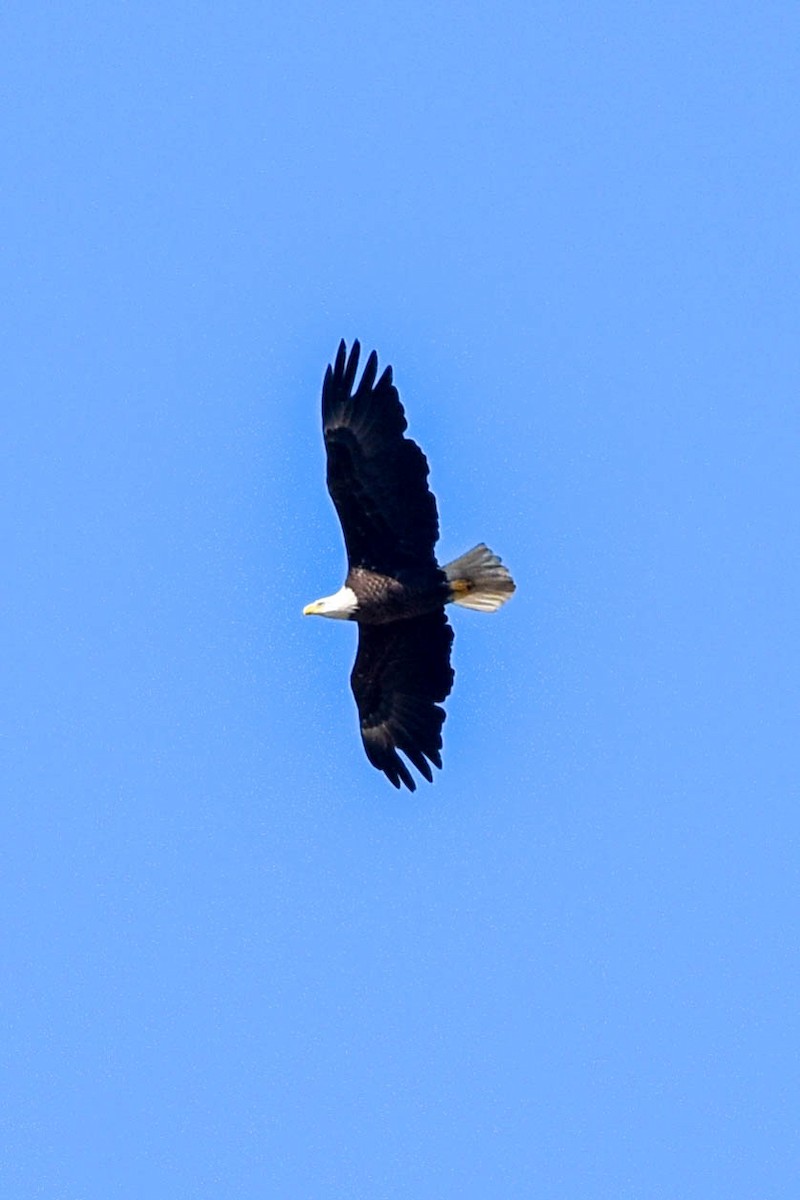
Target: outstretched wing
x=401 y=670
x=378 y=479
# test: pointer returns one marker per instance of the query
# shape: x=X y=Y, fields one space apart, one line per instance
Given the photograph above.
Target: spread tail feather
x=479 y=580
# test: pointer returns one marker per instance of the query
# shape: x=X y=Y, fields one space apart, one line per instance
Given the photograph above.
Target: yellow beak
x=310 y=609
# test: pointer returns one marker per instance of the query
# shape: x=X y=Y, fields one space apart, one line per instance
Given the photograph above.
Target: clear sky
x=236 y=963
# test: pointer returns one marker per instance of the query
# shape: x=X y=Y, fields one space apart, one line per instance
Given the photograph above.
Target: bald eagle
x=395 y=589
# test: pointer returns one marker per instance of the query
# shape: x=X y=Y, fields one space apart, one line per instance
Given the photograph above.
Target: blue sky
x=236 y=962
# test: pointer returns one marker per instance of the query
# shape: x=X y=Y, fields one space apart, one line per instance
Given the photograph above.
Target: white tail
x=479 y=580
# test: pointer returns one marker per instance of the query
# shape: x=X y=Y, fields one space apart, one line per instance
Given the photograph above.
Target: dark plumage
x=395 y=589
x=401 y=671
x=377 y=478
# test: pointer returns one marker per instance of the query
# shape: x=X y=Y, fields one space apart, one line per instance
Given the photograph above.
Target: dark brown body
x=385 y=598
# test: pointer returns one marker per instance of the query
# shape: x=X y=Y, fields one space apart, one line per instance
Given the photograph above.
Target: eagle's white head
x=341 y=604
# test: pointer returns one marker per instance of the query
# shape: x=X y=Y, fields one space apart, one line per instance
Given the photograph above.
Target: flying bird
x=395 y=589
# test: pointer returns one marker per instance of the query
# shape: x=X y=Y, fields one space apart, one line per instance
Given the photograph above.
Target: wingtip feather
x=370 y=371
x=352 y=365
